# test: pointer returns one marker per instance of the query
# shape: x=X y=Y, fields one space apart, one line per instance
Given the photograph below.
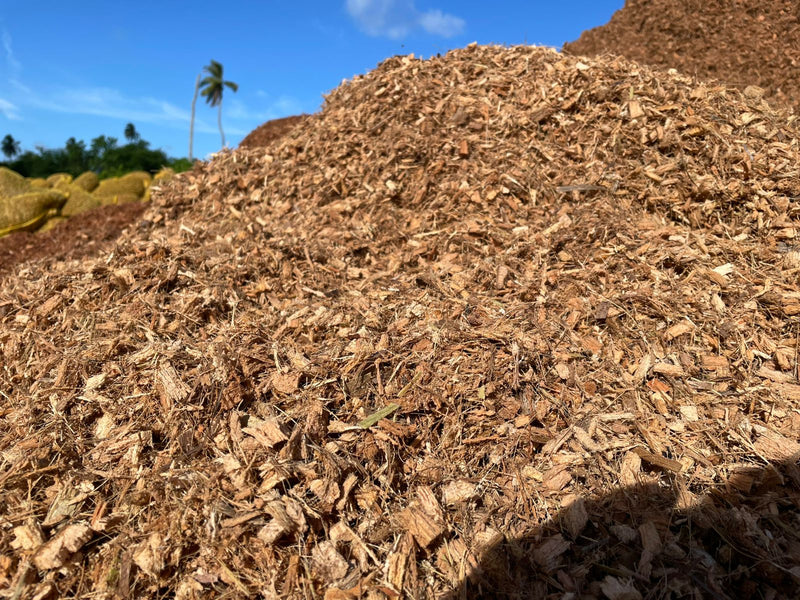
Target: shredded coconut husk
x=501 y=322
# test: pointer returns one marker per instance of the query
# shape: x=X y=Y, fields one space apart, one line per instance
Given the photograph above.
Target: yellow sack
x=88 y=181
x=12 y=184
x=51 y=223
x=57 y=178
x=118 y=199
x=142 y=176
x=164 y=175
x=28 y=211
x=128 y=198
x=38 y=182
x=121 y=185
x=79 y=200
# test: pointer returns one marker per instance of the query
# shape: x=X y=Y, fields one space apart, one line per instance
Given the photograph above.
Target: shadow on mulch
x=636 y=543
x=83 y=235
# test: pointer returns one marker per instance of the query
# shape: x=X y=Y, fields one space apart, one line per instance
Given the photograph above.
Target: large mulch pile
x=503 y=323
x=738 y=42
x=86 y=234
x=270 y=131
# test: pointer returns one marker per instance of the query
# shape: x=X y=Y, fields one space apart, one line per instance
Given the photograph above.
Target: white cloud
x=395 y=19
x=107 y=102
x=389 y=18
x=285 y=106
x=13 y=64
x=282 y=106
x=20 y=86
x=111 y=103
x=238 y=117
x=436 y=22
x=9 y=111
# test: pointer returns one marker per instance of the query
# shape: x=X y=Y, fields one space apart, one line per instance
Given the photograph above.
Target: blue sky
x=83 y=68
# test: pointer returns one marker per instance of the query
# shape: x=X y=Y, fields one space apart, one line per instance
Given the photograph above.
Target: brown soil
x=738 y=42
x=270 y=131
x=82 y=235
x=499 y=323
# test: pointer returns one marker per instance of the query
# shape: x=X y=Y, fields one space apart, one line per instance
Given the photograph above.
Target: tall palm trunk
x=191 y=123
x=219 y=122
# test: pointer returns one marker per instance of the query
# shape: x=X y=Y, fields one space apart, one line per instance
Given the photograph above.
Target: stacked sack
x=41 y=204
x=121 y=190
x=24 y=206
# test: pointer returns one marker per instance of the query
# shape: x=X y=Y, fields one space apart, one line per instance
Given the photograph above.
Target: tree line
x=104 y=155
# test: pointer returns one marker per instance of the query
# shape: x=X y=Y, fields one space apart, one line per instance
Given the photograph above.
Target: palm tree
x=9 y=146
x=213 y=85
x=130 y=133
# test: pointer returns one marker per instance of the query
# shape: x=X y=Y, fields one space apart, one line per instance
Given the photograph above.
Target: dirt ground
x=500 y=322
x=84 y=235
x=740 y=43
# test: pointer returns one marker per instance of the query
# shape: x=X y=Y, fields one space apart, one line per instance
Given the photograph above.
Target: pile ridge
x=741 y=43
x=501 y=322
x=270 y=131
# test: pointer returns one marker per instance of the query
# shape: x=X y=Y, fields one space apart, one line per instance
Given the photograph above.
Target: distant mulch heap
x=271 y=131
x=500 y=323
x=739 y=42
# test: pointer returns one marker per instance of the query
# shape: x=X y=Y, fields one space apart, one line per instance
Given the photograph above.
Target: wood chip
x=423 y=519
x=54 y=553
x=658 y=461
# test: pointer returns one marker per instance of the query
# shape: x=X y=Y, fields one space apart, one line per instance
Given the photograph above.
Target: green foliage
x=212 y=88
x=103 y=156
x=9 y=146
x=135 y=156
x=131 y=134
x=180 y=165
x=213 y=85
x=75 y=155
